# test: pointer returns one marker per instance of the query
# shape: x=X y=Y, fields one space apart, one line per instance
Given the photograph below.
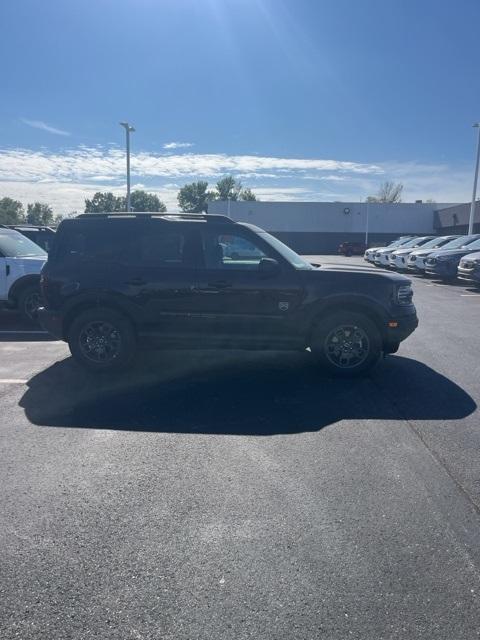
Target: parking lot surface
x=244 y=495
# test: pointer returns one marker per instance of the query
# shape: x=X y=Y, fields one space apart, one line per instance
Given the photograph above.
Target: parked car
x=21 y=261
x=352 y=248
x=113 y=282
x=369 y=255
x=41 y=235
x=416 y=259
x=469 y=268
x=443 y=264
x=381 y=257
x=398 y=258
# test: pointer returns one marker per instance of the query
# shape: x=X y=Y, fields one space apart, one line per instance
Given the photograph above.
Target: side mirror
x=268 y=267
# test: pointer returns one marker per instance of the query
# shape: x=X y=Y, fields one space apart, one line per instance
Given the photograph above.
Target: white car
x=21 y=261
x=398 y=258
x=369 y=254
x=381 y=257
x=416 y=259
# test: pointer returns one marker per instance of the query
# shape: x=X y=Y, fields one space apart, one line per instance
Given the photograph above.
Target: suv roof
x=170 y=217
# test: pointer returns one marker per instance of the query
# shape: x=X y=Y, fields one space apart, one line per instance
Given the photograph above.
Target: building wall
x=454 y=219
x=319 y=227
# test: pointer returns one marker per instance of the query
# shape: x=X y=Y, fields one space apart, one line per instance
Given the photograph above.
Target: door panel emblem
x=283 y=306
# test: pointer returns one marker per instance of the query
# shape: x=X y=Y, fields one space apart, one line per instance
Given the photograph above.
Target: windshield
x=436 y=242
x=289 y=254
x=416 y=242
x=459 y=242
x=15 y=245
x=472 y=245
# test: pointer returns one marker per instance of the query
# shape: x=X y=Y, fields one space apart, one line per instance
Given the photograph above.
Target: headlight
x=404 y=294
x=412 y=258
x=393 y=256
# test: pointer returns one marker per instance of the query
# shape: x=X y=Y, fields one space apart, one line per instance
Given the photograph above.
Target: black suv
x=116 y=281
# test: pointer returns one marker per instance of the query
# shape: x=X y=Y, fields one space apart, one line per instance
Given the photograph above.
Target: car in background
x=352 y=248
x=469 y=268
x=21 y=261
x=41 y=235
x=381 y=257
x=398 y=258
x=369 y=255
x=416 y=259
x=443 y=264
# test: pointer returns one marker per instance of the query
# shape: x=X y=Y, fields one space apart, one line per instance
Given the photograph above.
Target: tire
x=28 y=301
x=359 y=354
x=102 y=339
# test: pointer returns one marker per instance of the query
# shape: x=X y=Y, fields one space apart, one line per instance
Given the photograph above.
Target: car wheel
x=102 y=339
x=29 y=301
x=347 y=344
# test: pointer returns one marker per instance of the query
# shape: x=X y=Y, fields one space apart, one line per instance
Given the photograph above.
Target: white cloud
x=39 y=124
x=66 y=178
x=178 y=145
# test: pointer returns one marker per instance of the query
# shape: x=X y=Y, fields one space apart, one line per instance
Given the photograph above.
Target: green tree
x=228 y=188
x=39 y=213
x=247 y=194
x=11 y=211
x=194 y=197
x=143 y=201
x=388 y=192
x=104 y=203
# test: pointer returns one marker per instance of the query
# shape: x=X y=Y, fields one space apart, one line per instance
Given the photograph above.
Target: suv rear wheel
x=28 y=301
x=346 y=343
x=102 y=339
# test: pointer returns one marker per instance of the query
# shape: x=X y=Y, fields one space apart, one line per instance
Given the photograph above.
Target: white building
x=319 y=227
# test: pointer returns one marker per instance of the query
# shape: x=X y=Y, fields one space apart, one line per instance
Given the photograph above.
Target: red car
x=352 y=248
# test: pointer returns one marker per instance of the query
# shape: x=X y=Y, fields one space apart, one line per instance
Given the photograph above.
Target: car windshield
x=472 y=245
x=15 y=245
x=435 y=242
x=458 y=242
x=289 y=254
x=415 y=242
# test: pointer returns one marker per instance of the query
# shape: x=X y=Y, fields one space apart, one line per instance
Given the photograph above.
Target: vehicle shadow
x=238 y=394
x=13 y=328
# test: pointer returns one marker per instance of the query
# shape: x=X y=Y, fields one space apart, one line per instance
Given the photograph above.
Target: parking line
x=12 y=381
x=470 y=295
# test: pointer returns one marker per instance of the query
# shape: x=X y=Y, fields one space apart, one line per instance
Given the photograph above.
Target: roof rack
x=207 y=217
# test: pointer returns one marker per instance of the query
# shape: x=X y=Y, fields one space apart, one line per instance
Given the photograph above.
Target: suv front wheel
x=102 y=339
x=346 y=343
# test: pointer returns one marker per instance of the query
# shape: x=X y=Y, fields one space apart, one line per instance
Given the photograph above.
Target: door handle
x=136 y=281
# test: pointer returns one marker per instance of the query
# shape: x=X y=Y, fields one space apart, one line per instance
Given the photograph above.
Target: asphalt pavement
x=244 y=495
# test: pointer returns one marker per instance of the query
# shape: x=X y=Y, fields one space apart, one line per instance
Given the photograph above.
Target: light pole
x=128 y=129
x=475 y=180
x=366 y=226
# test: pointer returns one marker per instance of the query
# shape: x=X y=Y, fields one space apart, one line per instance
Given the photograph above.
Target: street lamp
x=128 y=129
x=475 y=180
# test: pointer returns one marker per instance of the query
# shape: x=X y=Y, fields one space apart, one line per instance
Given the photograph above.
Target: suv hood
x=474 y=256
x=452 y=253
x=420 y=253
x=356 y=272
x=402 y=252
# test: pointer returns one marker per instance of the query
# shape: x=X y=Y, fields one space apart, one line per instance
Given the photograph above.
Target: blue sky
x=301 y=99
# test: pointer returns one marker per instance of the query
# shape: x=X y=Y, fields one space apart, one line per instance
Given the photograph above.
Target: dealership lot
x=242 y=495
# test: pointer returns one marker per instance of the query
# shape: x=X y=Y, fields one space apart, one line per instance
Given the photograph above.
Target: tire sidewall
x=23 y=296
x=122 y=325
x=325 y=326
